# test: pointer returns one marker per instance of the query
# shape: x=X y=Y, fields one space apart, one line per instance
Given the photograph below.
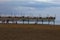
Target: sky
x=30 y=7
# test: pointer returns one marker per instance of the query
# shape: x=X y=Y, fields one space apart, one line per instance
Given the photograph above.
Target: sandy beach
x=29 y=32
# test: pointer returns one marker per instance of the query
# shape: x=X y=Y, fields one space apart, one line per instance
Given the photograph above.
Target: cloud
x=48 y=1
x=3 y=0
x=29 y=7
x=56 y=0
x=38 y=5
x=33 y=0
x=17 y=0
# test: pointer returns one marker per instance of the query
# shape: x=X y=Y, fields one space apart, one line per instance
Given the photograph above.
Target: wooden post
x=16 y=21
x=42 y=21
x=28 y=20
x=13 y=21
x=54 y=22
x=36 y=21
x=54 y=19
x=48 y=22
x=23 y=21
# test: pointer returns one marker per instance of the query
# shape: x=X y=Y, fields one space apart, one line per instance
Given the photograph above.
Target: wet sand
x=29 y=32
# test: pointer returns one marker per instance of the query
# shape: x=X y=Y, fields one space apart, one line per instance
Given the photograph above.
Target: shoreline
x=32 y=26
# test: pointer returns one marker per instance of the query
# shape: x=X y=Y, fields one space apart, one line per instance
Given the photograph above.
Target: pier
x=28 y=19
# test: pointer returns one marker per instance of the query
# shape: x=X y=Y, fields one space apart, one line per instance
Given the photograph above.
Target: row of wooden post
x=36 y=22
x=28 y=20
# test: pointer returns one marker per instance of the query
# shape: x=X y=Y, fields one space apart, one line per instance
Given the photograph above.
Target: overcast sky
x=32 y=0
x=42 y=7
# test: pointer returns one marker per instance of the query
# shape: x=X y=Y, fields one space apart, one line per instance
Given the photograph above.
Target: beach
x=29 y=32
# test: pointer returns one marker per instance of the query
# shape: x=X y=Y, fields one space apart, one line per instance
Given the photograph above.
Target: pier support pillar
x=54 y=22
x=28 y=20
x=16 y=22
x=23 y=21
x=42 y=21
x=48 y=21
x=36 y=21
